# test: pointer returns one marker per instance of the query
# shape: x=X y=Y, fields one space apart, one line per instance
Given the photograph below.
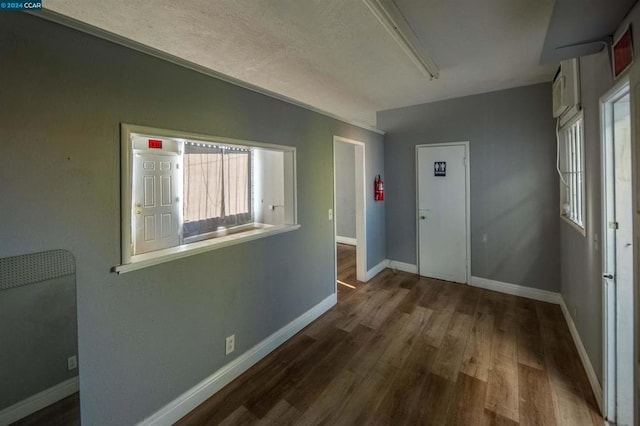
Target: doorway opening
x=617 y=266
x=349 y=205
x=442 y=213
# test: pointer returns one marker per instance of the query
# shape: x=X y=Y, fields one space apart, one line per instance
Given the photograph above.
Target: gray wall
x=147 y=336
x=345 y=155
x=38 y=333
x=581 y=283
x=514 y=185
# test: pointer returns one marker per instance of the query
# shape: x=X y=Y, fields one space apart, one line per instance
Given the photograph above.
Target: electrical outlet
x=330 y=214
x=72 y=363
x=230 y=344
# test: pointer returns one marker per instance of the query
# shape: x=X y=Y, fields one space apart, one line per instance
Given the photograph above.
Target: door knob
x=608 y=276
x=423 y=217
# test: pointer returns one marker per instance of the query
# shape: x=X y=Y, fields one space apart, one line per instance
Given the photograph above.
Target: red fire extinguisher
x=378 y=189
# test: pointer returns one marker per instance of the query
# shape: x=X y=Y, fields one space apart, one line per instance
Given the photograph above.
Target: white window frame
x=129 y=262
x=572 y=168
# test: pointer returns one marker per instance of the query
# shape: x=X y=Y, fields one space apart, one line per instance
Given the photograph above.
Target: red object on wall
x=155 y=143
x=378 y=189
x=622 y=53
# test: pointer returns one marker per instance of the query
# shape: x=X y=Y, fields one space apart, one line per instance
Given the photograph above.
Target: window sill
x=574 y=225
x=167 y=255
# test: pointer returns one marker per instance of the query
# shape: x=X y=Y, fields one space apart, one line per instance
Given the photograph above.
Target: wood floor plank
x=403 y=402
x=412 y=298
x=240 y=417
x=436 y=396
x=530 y=347
x=307 y=390
x=383 y=308
x=400 y=345
x=467 y=406
x=476 y=360
x=447 y=363
x=448 y=297
x=561 y=357
x=536 y=403
x=366 y=359
x=332 y=400
x=432 y=291
x=316 y=328
x=283 y=414
x=502 y=380
x=493 y=419
x=361 y=406
x=262 y=400
x=65 y=412
x=409 y=281
x=437 y=326
x=468 y=300
x=569 y=407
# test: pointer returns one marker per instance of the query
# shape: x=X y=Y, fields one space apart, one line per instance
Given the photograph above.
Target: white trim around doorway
x=361 y=208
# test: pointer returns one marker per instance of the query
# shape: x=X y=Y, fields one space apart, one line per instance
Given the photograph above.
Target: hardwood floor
x=347 y=282
x=405 y=350
x=65 y=412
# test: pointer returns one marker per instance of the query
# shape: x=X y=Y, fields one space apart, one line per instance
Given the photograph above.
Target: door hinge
x=464 y=160
x=613 y=225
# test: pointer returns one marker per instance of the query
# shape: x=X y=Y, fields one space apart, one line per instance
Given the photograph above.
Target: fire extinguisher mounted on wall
x=378 y=189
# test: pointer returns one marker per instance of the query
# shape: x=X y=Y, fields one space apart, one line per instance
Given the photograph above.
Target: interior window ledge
x=574 y=225
x=167 y=255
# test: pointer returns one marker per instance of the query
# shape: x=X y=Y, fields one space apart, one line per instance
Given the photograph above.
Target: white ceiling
x=334 y=55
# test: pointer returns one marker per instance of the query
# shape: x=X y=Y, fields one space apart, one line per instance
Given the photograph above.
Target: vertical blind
x=217 y=188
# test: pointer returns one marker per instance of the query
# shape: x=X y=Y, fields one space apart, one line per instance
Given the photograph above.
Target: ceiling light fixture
x=391 y=17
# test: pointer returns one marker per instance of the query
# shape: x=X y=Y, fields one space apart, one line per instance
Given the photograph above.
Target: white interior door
x=618 y=257
x=442 y=211
x=156 y=202
x=623 y=258
x=635 y=165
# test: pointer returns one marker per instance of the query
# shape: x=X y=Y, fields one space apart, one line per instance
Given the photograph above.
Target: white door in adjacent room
x=443 y=211
x=156 y=201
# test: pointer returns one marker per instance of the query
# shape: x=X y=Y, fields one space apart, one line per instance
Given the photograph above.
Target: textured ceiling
x=334 y=54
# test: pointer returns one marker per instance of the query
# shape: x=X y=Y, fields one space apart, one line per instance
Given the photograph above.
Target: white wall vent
x=566 y=88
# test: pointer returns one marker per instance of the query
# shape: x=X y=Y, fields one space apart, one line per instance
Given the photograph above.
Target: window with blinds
x=572 y=172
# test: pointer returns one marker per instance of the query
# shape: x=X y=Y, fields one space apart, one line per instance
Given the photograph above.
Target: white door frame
x=361 y=208
x=609 y=399
x=467 y=202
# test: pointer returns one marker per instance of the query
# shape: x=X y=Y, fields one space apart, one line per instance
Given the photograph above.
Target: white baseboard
x=596 y=387
x=517 y=290
x=404 y=267
x=346 y=240
x=376 y=269
x=195 y=396
x=38 y=401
